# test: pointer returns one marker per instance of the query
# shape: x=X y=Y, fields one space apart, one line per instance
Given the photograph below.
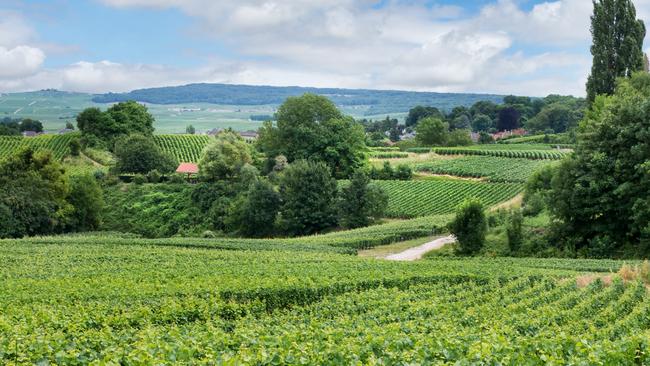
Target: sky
x=522 y=47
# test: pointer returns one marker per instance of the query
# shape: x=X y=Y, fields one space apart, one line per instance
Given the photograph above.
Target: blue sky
x=499 y=46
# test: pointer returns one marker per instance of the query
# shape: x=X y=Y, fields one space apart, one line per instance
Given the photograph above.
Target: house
x=249 y=136
x=504 y=134
x=214 y=131
x=65 y=130
x=188 y=168
x=31 y=133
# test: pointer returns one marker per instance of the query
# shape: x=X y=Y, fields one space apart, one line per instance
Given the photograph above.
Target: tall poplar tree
x=617 y=45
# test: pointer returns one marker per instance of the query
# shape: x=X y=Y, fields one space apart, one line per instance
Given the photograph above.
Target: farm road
x=417 y=252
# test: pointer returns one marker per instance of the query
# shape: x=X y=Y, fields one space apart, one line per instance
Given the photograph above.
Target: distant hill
x=376 y=101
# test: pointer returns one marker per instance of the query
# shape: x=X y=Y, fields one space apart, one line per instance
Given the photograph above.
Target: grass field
x=109 y=300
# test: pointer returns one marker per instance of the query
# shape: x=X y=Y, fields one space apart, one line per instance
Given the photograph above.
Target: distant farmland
x=208 y=106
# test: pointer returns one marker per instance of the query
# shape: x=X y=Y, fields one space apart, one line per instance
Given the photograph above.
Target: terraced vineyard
x=59 y=145
x=183 y=148
x=494 y=169
x=440 y=196
x=525 y=154
x=96 y=301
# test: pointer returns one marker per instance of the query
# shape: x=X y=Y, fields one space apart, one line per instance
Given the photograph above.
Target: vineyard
x=183 y=148
x=441 y=196
x=101 y=300
x=59 y=145
x=494 y=169
x=505 y=153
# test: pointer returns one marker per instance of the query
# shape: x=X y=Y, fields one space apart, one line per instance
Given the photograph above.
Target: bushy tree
x=481 y=123
x=556 y=117
x=514 y=230
x=86 y=197
x=190 y=130
x=104 y=128
x=29 y=124
x=601 y=191
x=420 y=112
x=75 y=147
x=33 y=191
x=617 y=47
x=139 y=154
x=361 y=202
x=432 y=131
x=308 y=192
x=485 y=138
x=254 y=212
x=311 y=127
x=460 y=138
x=509 y=118
x=224 y=157
x=470 y=227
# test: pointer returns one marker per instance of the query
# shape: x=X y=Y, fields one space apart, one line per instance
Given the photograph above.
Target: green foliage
x=139 y=154
x=311 y=127
x=617 y=47
x=87 y=199
x=102 y=129
x=485 y=138
x=254 y=213
x=308 y=192
x=190 y=130
x=361 y=202
x=33 y=191
x=482 y=123
x=460 y=137
x=509 y=118
x=420 y=112
x=75 y=147
x=600 y=195
x=469 y=227
x=441 y=196
x=556 y=117
x=432 y=131
x=514 y=230
x=224 y=158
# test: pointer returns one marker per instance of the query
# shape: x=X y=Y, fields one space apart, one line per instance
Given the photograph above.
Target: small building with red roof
x=188 y=168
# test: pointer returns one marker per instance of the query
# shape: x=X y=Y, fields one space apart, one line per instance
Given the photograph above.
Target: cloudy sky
x=525 y=47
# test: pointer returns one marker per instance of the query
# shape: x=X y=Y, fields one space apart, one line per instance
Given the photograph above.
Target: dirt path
x=417 y=252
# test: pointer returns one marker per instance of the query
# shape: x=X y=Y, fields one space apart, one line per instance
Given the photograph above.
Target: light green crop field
x=55 y=111
x=119 y=300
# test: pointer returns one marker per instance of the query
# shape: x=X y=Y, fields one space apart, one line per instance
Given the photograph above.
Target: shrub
x=514 y=231
x=139 y=179
x=361 y=202
x=470 y=227
x=153 y=176
x=75 y=147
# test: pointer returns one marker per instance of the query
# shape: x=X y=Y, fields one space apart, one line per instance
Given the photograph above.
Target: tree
x=361 y=202
x=599 y=195
x=87 y=199
x=420 y=112
x=617 y=47
x=484 y=107
x=254 y=212
x=104 y=128
x=469 y=226
x=29 y=124
x=514 y=230
x=485 y=138
x=190 y=130
x=224 y=158
x=33 y=192
x=482 y=123
x=557 y=117
x=432 y=131
x=69 y=126
x=311 y=127
x=462 y=122
x=509 y=118
x=75 y=147
x=308 y=192
x=139 y=154
x=460 y=138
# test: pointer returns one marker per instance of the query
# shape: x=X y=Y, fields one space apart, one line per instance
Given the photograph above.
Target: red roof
x=188 y=168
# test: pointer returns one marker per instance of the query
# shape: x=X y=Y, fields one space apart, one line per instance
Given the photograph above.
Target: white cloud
x=351 y=43
x=20 y=61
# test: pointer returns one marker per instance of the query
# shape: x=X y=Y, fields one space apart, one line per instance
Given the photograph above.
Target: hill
x=380 y=101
